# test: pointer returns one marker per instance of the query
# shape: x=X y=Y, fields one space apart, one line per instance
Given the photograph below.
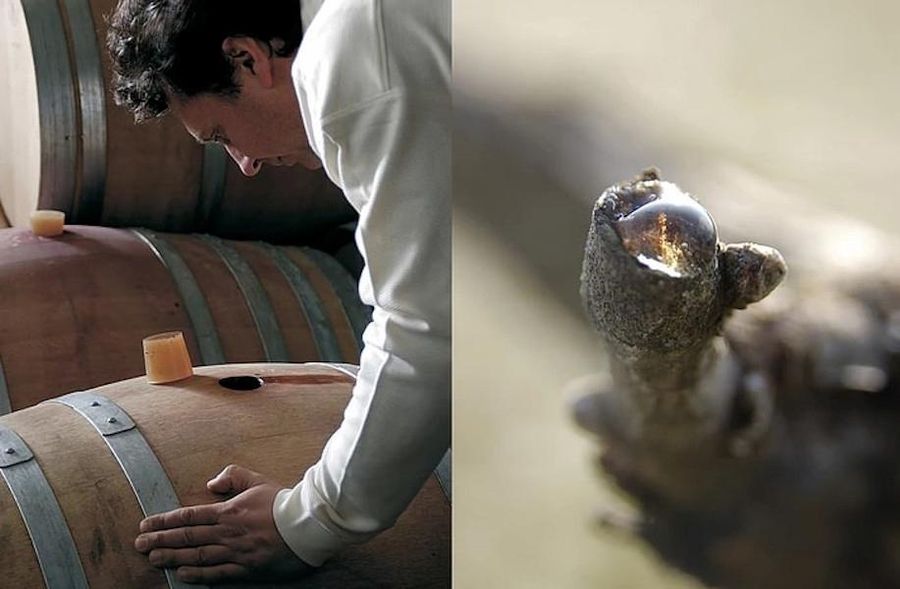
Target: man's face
x=256 y=129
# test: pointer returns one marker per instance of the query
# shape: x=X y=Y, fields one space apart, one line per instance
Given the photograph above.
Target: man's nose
x=249 y=166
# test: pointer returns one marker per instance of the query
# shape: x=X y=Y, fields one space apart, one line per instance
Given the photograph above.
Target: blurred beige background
x=781 y=117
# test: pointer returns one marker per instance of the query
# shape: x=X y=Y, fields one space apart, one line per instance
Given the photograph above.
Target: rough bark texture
x=760 y=447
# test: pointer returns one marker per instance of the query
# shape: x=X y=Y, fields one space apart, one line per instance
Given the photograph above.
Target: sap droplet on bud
x=672 y=234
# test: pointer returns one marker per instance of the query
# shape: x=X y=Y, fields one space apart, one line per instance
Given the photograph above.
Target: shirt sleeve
x=392 y=157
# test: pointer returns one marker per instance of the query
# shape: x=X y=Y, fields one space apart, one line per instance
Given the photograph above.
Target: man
x=360 y=87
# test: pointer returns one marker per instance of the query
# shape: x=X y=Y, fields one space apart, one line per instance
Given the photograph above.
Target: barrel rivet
x=112 y=420
x=95 y=403
x=10 y=450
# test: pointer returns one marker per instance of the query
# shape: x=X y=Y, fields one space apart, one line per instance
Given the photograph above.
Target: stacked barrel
x=77 y=305
x=69 y=147
x=163 y=234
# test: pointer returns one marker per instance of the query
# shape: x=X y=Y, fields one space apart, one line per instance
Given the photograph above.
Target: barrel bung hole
x=241 y=383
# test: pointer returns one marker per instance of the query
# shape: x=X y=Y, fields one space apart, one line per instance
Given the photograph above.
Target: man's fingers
x=212 y=574
x=234 y=479
x=195 y=515
x=185 y=537
x=199 y=556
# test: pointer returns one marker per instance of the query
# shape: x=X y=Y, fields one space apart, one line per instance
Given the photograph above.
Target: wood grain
x=196 y=427
x=154 y=170
x=76 y=308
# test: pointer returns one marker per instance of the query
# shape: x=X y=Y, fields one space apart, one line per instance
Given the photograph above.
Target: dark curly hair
x=161 y=47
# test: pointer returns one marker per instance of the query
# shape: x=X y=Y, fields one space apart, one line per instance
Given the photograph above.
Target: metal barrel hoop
x=324 y=337
x=88 y=74
x=148 y=479
x=346 y=289
x=57 y=104
x=257 y=300
x=43 y=518
x=192 y=296
x=5 y=401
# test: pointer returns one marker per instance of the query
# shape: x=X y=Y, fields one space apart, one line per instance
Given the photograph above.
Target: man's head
x=221 y=66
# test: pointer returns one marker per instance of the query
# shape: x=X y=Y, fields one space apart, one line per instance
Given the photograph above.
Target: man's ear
x=251 y=58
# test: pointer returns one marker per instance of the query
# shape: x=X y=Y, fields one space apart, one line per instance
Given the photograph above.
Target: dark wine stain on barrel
x=306 y=379
x=98 y=547
x=251 y=383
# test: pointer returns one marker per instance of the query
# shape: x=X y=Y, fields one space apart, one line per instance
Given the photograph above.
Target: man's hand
x=223 y=541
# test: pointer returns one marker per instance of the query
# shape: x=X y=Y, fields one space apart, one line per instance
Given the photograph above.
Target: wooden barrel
x=72 y=498
x=69 y=147
x=76 y=307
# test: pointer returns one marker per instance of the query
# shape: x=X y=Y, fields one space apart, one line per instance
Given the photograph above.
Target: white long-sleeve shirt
x=372 y=78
